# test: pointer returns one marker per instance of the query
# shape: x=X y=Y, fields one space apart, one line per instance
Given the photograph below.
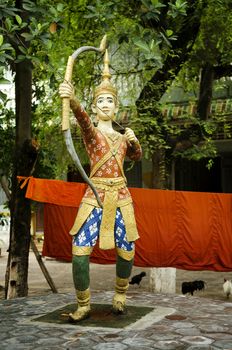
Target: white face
x=105 y=107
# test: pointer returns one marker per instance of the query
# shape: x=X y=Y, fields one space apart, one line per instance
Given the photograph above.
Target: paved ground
x=178 y=322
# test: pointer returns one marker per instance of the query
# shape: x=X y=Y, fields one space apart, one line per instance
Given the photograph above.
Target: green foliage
x=179 y=7
x=143 y=37
x=214 y=42
x=205 y=149
x=148 y=31
x=7 y=136
x=24 y=32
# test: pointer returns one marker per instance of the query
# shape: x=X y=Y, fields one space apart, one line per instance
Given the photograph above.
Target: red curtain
x=186 y=230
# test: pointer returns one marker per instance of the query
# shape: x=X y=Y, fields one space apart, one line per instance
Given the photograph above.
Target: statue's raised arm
x=66 y=91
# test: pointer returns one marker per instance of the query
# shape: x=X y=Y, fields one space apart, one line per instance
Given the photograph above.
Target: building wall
x=194 y=175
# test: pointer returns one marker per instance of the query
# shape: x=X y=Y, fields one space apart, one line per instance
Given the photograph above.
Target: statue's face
x=105 y=107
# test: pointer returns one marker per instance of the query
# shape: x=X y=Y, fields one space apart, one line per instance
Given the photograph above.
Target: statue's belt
x=109 y=184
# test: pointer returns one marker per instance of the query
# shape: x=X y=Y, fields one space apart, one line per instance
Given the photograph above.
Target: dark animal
x=137 y=278
x=191 y=287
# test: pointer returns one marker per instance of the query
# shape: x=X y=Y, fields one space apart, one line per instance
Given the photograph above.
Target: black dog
x=137 y=278
x=191 y=287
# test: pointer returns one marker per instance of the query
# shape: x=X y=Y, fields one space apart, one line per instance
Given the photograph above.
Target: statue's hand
x=66 y=90
x=130 y=135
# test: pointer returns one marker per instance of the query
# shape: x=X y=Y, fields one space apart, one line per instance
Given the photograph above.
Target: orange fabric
x=186 y=230
x=54 y=191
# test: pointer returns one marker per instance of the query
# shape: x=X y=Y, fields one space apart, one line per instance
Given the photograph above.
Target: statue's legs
x=123 y=271
x=80 y=267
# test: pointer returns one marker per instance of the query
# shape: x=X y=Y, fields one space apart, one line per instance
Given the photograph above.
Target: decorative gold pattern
x=105 y=86
x=112 y=135
x=119 y=299
x=126 y=255
x=106 y=237
x=114 y=148
x=80 y=314
x=82 y=215
x=80 y=251
x=83 y=306
x=99 y=164
x=83 y=297
x=109 y=184
x=120 y=203
x=130 y=223
x=121 y=285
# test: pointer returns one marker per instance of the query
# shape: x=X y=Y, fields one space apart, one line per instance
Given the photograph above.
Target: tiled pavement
x=177 y=322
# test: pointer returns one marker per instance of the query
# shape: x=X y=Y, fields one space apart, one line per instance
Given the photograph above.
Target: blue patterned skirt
x=89 y=232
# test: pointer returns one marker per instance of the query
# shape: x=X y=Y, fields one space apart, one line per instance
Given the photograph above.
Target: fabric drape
x=186 y=230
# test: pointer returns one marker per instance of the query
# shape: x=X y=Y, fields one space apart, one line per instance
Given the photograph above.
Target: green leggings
x=80 y=268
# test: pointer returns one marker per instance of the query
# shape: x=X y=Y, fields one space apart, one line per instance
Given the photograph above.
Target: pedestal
x=163 y=280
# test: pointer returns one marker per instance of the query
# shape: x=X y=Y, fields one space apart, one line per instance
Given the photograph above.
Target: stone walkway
x=177 y=322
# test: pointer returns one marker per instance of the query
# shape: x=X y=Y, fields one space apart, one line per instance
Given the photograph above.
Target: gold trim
x=109 y=184
x=120 y=202
x=91 y=201
x=123 y=202
x=109 y=181
x=113 y=151
x=121 y=285
x=130 y=223
x=106 y=236
x=82 y=215
x=120 y=166
x=103 y=160
x=80 y=251
x=83 y=297
x=119 y=299
x=105 y=86
x=125 y=254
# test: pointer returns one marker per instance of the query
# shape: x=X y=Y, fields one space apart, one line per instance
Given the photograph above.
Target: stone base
x=135 y=317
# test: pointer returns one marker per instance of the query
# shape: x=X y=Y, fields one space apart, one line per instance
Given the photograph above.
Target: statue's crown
x=105 y=87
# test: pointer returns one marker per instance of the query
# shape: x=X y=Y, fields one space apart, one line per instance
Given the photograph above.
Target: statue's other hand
x=66 y=90
x=130 y=135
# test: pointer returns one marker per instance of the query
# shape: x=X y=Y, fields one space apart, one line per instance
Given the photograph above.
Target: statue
x=114 y=223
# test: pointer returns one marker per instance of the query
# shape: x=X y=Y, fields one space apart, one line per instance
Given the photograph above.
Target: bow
x=65 y=114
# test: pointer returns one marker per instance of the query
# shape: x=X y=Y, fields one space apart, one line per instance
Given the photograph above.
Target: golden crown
x=105 y=86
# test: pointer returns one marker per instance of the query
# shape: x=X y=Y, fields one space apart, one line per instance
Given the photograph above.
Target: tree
x=23 y=34
x=141 y=30
x=202 y=48
x=166 y=41
x=174 y=40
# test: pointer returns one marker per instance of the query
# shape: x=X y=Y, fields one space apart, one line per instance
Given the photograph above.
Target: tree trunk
x=161 y=80
x=25 y=155
x=206 y=92
x=158 y=169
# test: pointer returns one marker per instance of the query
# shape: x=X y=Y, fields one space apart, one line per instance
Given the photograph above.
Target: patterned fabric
x=98 y=145
x=106 y=153
x=89 y=233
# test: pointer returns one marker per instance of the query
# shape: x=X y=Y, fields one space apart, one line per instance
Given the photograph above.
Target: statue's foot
x=119 y=303
x=80 y=314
